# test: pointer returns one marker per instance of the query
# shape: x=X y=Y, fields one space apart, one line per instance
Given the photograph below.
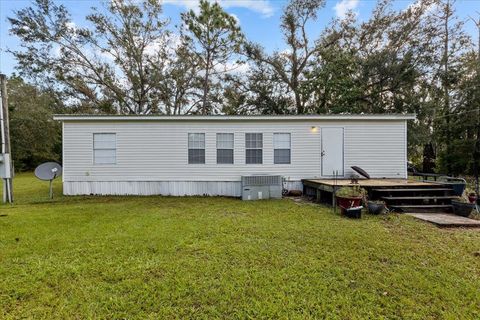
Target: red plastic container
x=472 y=197
x=349 y=202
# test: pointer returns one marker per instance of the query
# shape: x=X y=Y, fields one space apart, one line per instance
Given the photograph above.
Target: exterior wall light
x=313 y=129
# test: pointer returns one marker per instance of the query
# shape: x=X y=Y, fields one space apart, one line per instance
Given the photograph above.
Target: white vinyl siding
x=104 y=148
x=196 y=148
x=154 y=153
x=282 y=148
x=225 y=147
x=253 y=148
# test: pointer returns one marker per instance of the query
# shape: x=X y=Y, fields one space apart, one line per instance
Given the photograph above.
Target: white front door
x=332 y=151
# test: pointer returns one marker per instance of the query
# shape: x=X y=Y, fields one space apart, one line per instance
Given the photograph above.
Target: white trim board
x=361 y=117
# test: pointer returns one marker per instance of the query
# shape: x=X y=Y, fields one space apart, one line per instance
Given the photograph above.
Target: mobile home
x=208 y=155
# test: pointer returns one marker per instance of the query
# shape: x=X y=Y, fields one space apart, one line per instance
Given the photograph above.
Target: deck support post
x=334 y=199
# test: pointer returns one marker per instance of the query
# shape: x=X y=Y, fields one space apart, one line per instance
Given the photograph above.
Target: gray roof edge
x=88 y=117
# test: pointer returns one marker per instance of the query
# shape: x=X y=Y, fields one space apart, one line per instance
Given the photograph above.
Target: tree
x=291 y=64
x=464 y=125
x=113 y=66
x=476 y=153
x=389 y=63
x=258 y=91
x=35 y=136
x=450 y=44
x=178 y=88
x=215 y=38
x=374 y=65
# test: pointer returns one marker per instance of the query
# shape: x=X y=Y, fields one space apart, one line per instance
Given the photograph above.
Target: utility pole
x=6 y=173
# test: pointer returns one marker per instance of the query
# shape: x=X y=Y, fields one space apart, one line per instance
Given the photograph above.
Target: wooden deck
x=325 y=188
x=371 y=182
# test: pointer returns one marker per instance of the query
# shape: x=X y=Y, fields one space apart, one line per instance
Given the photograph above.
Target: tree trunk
x=428 y=158
x=298 y=102
x=446 y=87
x=476 y=154
x=476 y=158
x=205 y=85
x=294 y=86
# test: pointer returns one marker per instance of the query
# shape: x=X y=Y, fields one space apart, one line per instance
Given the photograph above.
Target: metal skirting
x=293 y=185
x=168 y=188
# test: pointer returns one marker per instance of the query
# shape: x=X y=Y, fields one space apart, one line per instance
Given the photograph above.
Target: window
x=224 y=148
x=281 y=148
x=253 y=148
x=104 y=148
x=196 y=148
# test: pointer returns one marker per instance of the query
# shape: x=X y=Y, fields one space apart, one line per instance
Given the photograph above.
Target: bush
x=351 y=192
x=35 y=136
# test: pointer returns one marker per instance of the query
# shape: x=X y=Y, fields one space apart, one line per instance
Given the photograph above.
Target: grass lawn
x=193 y=257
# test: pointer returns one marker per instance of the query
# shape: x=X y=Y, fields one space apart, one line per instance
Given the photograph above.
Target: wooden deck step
x=423 y=206
x=420 y=198
x=412 y=189
x=432 y=208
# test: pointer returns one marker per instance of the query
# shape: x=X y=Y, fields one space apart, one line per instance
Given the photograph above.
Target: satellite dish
x=360 y=171
x=48 y=171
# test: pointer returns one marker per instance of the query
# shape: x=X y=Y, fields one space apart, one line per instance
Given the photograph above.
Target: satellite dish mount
x=48 y=171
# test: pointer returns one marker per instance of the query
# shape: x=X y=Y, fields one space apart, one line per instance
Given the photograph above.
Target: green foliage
x=215 y=38
x=460 y=158
x=114 y=63
x=128 y=60
x=289 y=66
x=464 y=124
x=261 y=94
x=208 y=258
x=35 y=137
x=351 y=192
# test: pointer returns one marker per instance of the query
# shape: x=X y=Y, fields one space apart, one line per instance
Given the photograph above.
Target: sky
x=259 y=19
